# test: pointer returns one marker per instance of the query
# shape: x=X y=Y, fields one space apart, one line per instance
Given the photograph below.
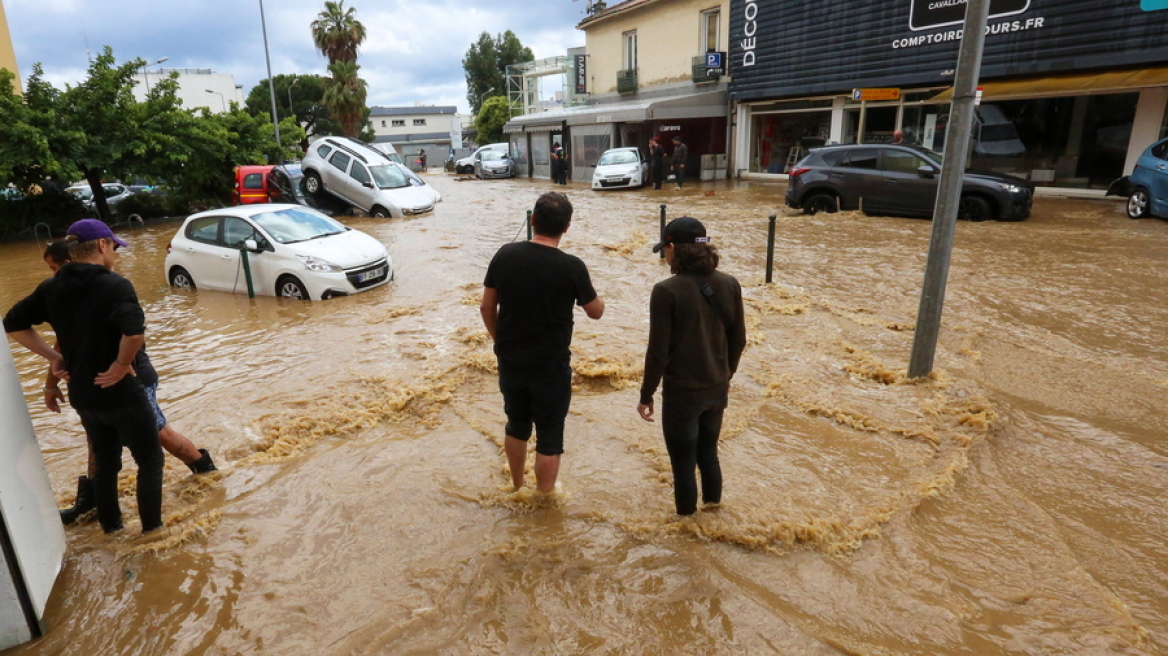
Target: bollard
x=528 y=225
x=661 y=234
x=770 y=248
x=246 y=272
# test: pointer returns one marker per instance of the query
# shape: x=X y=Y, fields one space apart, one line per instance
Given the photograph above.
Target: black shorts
x=540 y=397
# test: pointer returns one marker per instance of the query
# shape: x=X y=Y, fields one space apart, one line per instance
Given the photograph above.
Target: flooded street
x=1012 y=504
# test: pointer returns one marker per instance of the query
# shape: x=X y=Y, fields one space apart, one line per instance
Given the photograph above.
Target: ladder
x=793 y=156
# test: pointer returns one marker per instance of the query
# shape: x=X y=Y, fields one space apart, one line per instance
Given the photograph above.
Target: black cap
x=677 y=137
x=683 y=230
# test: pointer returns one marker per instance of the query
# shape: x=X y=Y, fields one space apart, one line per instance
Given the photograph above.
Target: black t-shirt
x=90 y=308
x=537 y=287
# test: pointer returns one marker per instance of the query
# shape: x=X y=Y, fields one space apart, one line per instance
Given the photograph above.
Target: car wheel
x=312 y=182
x=290 y=287
x=973 y=208
x=379 y=212
x=820 y=202
x=181 y=279
x=1137 y=204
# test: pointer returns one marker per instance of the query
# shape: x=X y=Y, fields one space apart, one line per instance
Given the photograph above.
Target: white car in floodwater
x=293 y=252
x=620 y=167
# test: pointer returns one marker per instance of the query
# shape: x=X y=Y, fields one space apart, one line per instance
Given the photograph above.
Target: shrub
x=57 y=209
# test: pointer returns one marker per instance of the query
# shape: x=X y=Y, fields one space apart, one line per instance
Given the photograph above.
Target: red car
x=251 y=184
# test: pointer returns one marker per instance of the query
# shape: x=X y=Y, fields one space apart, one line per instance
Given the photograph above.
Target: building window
x=711 y=29
x=630 y=52
x=419 y=121
x=383 y=124
x=399 y=122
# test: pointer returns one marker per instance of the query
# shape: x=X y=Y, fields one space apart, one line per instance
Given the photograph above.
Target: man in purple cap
x=100 y=328
x=696 y=336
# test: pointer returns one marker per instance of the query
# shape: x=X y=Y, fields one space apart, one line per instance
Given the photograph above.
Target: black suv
x=899 y=179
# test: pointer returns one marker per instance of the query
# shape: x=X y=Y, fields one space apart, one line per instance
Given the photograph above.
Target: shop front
x=1049 y=111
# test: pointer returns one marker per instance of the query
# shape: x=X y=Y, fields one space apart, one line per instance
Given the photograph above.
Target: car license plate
x=371 y=275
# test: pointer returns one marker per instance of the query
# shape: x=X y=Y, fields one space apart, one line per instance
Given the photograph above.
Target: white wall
x=193 y=86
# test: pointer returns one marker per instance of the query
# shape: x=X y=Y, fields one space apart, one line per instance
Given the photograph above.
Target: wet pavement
x=1013 y=503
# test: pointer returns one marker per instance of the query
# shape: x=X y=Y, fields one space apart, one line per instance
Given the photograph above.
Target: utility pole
x=949 y=189
x=271 y=83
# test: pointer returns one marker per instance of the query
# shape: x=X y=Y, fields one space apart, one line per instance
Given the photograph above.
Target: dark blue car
x=1148 y=183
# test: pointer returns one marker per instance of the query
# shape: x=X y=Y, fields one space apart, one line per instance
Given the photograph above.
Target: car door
x=905 y=191
x=361 y=185
x=1157 y=164
x=202 y=253
x=336 y=175
x=235 y=232
x=858 y=178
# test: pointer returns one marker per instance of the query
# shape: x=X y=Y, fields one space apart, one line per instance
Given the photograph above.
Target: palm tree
x=337 y=33
x=345 y=97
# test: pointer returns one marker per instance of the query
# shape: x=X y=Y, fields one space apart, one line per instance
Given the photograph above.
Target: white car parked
x=467 y=164
x=620 y=167
x=364 y=178
x=293 y=252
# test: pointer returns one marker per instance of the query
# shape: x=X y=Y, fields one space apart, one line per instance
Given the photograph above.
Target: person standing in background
x=657 y=162
x=680 y=154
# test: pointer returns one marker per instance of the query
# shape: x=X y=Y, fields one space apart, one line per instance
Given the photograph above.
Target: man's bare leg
x=516 y=450
x=546 y=470
x=177 y=445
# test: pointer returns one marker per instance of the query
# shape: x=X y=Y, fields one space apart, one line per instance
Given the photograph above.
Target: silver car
x=493 y=164
x=364 y=178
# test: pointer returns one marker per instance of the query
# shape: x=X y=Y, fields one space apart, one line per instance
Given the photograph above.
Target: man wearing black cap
x=529 y=293
x=100 y=328
x=696 y=336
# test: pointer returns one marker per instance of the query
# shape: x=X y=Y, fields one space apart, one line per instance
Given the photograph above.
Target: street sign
x=875 y=94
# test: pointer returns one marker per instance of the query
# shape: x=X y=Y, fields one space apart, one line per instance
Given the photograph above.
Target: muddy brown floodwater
x=1014 y=503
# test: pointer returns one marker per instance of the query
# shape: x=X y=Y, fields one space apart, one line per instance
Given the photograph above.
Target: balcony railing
x=700 y=72
x=626 y=81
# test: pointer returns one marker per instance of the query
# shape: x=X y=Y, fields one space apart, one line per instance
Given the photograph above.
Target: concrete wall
x=668 y=38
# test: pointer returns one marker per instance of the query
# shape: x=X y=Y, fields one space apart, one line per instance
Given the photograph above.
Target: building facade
x=1072 y=90
x=7 y=52
x=197 y=87
x=417 y=128
x=644 y=73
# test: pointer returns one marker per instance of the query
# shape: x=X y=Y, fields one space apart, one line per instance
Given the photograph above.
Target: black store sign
x=580 y=73
x=787 y=49
x=928 y=14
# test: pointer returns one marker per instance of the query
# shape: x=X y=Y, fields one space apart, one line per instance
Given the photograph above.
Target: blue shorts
x=152 y=396
x=541 y=397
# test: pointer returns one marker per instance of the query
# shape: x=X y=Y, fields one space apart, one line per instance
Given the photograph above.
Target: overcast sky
x=413 y=50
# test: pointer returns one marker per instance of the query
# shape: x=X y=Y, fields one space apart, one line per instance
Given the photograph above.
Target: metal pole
x=661 y=232
x=528 y=225
x=247 y=272
x=271 y=84
x=771 y=248
x=949 y=190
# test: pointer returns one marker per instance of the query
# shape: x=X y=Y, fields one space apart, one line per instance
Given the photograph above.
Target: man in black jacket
x=100 y=328
x=697 y=333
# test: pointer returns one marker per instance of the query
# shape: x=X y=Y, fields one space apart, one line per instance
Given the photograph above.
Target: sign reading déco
x=929 y=14
x=750 y=30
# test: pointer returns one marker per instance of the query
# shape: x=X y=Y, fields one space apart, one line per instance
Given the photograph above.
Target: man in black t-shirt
x=100 y=328
x=528 y=297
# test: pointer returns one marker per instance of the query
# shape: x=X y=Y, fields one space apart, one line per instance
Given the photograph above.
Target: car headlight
x=1012 y=188
x=316 y=264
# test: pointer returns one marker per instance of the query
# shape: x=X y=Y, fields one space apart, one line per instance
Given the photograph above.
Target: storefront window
x=780 y=140
x=541 y=149
x=879 y=124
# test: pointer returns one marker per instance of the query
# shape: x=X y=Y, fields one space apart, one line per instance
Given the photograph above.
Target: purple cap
x=90 y=229
x=683 y=230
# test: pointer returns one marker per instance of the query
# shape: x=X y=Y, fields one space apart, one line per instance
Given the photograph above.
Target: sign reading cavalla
x=931 y=14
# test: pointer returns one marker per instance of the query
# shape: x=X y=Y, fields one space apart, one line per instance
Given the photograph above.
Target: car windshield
x=388 y=176
x=493 y=156
x=297 y=224
x=618 y=157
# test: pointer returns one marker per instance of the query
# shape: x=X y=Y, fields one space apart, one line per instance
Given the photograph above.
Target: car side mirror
x=927 y=171
x=251 y=245
x=367 y=184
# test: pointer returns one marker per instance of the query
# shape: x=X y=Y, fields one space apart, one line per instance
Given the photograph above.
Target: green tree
x=490 y=119
x=345 y=97
x=307 y=95
x=485 y=65
x=338 y=34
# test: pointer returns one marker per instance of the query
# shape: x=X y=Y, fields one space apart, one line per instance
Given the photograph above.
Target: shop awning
x=1067 y=85
x=711 y=104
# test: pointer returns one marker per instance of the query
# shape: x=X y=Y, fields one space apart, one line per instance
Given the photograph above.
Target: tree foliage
x=338 y=34
x=98 y=131
x=490 y=119
x=307 y=95
x=486 y=63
